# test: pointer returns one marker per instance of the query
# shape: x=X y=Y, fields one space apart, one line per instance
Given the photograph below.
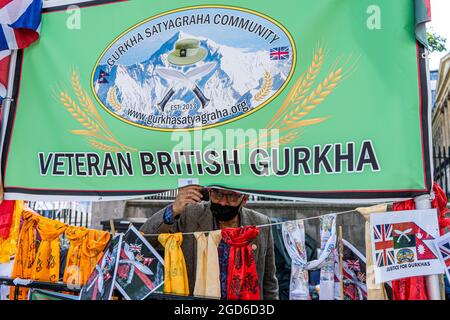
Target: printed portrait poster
x=100 y=284
x=443 y=249
x=141 y=268
x=402 y=244
x=354 y=272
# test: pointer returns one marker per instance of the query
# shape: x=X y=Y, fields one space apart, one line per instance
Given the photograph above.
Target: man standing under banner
x=192 y=211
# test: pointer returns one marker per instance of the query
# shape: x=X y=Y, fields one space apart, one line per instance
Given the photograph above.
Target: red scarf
x=242 y=279
x=414 y=288
x=408 y=288
x=6 y=218
x=440 y=203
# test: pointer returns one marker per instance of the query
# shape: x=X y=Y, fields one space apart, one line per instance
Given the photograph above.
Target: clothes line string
x=268 y=224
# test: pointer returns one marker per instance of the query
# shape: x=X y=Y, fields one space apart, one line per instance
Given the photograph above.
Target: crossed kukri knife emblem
x=187 y=80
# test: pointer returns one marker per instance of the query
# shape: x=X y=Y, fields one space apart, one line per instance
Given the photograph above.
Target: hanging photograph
x=141 y=268
x=100 y=284
x=353 y=272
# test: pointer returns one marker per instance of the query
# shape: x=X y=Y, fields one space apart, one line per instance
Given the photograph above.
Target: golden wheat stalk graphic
x=302 y=100
x=112 y=99
x=314 y=99
x=301 y=87
x=265 y=88
x=85 y=113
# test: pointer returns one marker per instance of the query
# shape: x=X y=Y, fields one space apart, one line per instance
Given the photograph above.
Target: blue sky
x=440 y=12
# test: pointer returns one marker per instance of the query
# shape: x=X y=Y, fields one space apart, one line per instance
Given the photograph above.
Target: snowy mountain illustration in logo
x=239 y=80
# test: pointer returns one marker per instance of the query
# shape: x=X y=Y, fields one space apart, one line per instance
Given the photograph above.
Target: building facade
x=441 y=112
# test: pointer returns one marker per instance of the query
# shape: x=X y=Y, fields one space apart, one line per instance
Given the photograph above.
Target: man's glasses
x=230 y=197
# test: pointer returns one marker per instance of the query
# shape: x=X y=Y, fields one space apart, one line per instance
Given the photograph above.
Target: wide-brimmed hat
x=187 y=51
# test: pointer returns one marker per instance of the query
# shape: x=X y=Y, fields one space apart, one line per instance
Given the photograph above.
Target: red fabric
x=440 y=203
x=4 y=3
x=413 y=288
x=6 y=218
x=4 y=70
x=242 y=279
x=405 y=205
x=25 y=37
x=428 y=5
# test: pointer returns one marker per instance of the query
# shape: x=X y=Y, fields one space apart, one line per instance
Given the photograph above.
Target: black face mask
x=225 y=213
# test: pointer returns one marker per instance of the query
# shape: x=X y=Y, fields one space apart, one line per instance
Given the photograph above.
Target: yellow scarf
x=46 y=265
x=26 y=251
x=175 y=274
x=72 y=272
x=8 y=247
x=92 y=249
x=207 y=282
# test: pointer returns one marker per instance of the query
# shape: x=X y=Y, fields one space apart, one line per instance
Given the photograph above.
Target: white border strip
x=42 y=197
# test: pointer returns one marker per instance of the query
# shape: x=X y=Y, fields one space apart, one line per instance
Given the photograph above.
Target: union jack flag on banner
x=384 y=245
x=20 y=24
x=443 y=248
x=281 y=53
x=136 y=247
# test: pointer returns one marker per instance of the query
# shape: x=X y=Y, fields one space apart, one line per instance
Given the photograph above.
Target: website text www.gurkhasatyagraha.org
x=204 y=118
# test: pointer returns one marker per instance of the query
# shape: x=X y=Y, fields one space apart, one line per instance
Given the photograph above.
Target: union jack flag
x=353 y=265
x=281 y=53
x=20 y=24
x=136 y=247
x=443 y=245
x=445 y=252
x=384 y=245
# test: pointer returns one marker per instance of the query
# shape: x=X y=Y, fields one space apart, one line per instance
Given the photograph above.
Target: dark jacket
x=199 y=217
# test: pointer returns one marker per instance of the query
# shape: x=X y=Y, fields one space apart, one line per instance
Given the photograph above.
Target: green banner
x=309 y=99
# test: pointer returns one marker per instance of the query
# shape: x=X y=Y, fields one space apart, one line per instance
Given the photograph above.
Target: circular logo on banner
x=195 y=67
x=405 y=256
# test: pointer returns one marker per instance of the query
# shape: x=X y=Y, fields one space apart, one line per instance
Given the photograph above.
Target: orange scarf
x=46 y=265
x=86 y=248
x=26 y=251
x=92 y=249
x=76 y=236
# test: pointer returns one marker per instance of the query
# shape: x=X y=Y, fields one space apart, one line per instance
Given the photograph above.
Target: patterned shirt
x=223 y=252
